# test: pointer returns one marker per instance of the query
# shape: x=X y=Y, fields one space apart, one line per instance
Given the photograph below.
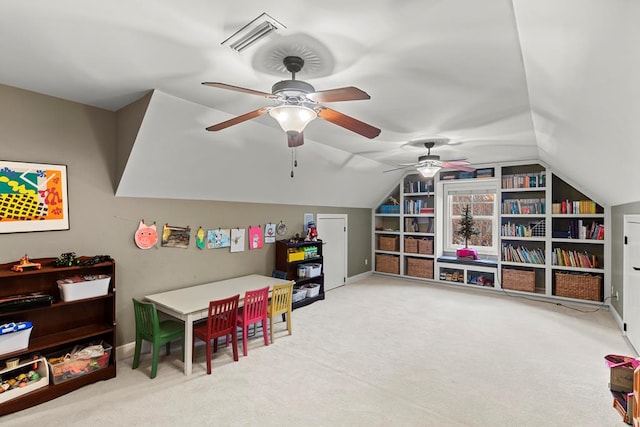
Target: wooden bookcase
x=290 y=264
x=59 y=326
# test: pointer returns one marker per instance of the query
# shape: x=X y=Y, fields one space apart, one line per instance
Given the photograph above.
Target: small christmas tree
x=467 y=226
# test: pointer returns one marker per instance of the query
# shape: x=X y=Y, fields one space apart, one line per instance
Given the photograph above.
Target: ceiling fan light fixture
x=428 y=170
x=293 y=118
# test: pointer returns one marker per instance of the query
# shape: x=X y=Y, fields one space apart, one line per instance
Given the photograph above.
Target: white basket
x=14 y=341
x=75 y=288
x=298 y=295
x=313 y=290
x=312 y=270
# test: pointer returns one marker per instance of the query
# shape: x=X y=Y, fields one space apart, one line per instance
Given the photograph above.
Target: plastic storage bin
x=313 y=289
x=312 y=270
x=81 y=287
x=75 y=363
x=298 y=295
x=14 y=337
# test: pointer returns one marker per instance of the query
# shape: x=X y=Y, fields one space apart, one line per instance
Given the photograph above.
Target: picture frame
x=33 y=197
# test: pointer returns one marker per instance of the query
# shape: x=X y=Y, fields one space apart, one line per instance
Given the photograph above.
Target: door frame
x=626 y=304
x=344 y=217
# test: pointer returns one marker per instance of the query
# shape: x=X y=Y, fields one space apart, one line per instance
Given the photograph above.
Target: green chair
x=149 y=328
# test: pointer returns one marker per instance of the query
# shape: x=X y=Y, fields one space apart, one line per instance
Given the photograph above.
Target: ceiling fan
x=299 y=104
x=429 y=164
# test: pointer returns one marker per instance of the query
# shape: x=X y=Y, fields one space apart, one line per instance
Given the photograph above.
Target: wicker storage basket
x=388 y=243
x=418 y=267
x=387 y=264
x=519 y=280
x=425 y=246
x=411 y=245
x=580 y=286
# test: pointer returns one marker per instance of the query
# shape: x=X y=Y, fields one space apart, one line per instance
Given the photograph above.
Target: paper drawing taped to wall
x=146 y=236
x=175 y=237
x=33 y=197
x=218 y=238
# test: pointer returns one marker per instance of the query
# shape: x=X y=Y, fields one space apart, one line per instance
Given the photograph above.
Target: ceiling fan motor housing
x=429 y=157
x=296 y=86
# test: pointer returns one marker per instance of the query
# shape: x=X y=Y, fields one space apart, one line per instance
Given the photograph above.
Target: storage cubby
x=452 y=274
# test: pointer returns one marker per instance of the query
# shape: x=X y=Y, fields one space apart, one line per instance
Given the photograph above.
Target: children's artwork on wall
x=237 y=240
x=218 y=238
x=255 y=237
x=34 y=197
x=270 y=233
x=176 y=237
x=200 y=238
x=146 y=236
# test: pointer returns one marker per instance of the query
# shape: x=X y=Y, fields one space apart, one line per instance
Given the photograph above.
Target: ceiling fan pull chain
x=292 y=163
x=295 y=157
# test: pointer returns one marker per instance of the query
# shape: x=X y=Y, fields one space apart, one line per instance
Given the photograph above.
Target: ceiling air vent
x=253 y=32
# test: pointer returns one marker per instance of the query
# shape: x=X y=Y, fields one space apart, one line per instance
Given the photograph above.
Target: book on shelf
x=420 y=186
x=579 y=230
x=565 y=258
x=574 y=207
x=522 y=254
x=523 y=206
x=524 y=180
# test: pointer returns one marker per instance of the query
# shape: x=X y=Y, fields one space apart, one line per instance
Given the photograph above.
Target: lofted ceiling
x=500 y=80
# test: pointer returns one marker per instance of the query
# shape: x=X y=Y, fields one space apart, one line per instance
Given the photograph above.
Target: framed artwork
x=176 y=237
x=33 y=197
x=218 y=238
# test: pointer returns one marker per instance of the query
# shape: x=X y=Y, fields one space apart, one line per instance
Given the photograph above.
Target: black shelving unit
x=289 y=264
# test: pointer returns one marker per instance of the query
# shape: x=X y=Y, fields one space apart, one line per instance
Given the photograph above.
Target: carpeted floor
x=379 y=352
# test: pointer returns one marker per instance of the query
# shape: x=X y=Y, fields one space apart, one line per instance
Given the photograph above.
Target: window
x=481 y=197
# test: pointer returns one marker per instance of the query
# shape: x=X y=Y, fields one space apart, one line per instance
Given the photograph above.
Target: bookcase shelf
x=58 y=326
x=532 y=221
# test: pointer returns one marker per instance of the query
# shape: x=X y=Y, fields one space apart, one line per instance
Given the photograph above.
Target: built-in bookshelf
x=406 y=237
x=552 y=237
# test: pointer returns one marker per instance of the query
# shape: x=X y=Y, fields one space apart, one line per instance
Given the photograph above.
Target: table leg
x=188 y=344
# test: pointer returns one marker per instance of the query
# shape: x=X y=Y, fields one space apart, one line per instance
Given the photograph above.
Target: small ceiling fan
x=429 y=164
x=299 y=104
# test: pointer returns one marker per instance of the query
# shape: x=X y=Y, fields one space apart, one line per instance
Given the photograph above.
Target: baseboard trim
x=126 y=351
x=358 y=277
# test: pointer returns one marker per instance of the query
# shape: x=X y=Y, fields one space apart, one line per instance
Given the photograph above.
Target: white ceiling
x=553 y=80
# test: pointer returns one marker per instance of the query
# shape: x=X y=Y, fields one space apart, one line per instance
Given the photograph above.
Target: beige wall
x=43 y=129
x=617 y=250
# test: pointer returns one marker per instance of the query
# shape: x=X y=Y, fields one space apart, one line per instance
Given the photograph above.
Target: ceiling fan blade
x=349 y=93
x=239 y=119
x=395 y=169
x=459 y=165
x=349 y=123
x=238 y=89
x=295 y=140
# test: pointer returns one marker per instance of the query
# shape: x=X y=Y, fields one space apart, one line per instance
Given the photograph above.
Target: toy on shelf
x=25 y=263
x=312 y=232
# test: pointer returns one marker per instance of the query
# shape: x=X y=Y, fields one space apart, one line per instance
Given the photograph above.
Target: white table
x=192 y=303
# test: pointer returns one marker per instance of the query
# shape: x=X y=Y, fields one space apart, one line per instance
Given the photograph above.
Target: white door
x=631 y=279
x=332 y=230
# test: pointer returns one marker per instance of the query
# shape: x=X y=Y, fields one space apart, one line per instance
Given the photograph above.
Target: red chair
x=221 y=322
x=254 y=310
